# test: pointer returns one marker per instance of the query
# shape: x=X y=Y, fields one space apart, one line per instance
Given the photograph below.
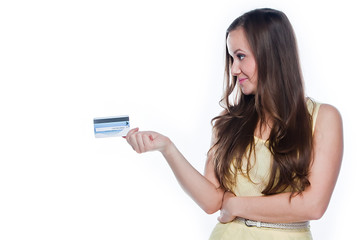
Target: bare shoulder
x=328 y=116
x=329 y=109
x=328 y=135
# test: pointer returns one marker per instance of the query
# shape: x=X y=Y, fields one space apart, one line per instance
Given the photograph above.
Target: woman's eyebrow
x=239 y=50
x=232 y=53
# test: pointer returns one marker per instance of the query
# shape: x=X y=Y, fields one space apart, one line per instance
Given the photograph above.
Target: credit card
x=117 y=126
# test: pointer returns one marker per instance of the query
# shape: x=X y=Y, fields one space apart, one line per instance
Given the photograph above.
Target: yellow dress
x=259 y=175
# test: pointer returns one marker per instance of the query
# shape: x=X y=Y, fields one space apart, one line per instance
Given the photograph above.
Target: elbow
x=213 y=203
x=212 y=208
x=317 y=211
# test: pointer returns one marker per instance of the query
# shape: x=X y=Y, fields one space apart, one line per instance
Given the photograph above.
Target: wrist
x=168 y=148
x=233 y=206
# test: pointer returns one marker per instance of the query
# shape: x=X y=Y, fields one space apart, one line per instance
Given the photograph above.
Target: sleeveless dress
x=259 y=175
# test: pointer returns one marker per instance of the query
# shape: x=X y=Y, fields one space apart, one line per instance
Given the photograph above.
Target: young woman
x=275 y=154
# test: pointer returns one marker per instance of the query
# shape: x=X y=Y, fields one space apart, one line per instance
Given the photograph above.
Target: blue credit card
x=116 y=126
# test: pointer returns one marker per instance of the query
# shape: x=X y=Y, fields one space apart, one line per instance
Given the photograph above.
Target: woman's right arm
x=203 y=189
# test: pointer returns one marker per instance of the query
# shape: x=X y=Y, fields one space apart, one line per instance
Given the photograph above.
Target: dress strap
x=313 y=108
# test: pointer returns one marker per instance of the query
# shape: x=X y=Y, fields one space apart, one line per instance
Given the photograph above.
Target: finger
x=132 y=131
x=220 y=218
x=130 y=135
x=132 y=140
x=140 y=142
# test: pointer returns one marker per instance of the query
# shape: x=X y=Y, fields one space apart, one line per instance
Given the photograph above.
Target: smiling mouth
x=241 y=80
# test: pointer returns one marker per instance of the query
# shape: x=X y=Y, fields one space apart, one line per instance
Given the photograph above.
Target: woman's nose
x=235 y=69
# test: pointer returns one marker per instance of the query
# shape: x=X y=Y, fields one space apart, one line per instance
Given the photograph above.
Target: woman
x=275 y=154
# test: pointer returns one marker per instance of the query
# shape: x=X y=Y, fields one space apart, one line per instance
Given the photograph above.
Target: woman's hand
x=147 y=141
x=225 y=212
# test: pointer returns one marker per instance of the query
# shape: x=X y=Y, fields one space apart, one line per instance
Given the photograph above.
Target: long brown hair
x=280 y=94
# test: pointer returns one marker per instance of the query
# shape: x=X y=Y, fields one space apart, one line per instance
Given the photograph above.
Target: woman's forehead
x=237 y=40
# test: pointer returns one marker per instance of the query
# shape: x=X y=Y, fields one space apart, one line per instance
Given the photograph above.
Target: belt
x=297 y=225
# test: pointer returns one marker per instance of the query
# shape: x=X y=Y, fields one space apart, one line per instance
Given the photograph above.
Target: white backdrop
x=62 y=63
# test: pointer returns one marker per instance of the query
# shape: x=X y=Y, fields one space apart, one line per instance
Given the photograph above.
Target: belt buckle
x=250 y=223
x=246 y=221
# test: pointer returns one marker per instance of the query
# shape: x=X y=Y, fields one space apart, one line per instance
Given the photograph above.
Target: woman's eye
x=240 y=56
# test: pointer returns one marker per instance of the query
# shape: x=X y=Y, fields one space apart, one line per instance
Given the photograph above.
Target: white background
x=62 y=63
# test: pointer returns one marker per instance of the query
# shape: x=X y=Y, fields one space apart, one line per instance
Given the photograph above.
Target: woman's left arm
x=313 y=202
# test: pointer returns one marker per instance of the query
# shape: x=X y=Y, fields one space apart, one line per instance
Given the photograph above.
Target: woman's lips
x=241 y=80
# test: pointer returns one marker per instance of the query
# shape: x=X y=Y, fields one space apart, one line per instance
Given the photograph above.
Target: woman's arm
x=313 y=202
x=204 y=189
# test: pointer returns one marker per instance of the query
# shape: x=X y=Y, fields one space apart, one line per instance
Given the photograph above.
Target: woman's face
x=244 y=65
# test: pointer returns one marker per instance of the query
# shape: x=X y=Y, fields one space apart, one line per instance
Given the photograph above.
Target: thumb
x=219 y=218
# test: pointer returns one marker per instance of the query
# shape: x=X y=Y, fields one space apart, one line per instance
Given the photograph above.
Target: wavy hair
x=280 y=94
